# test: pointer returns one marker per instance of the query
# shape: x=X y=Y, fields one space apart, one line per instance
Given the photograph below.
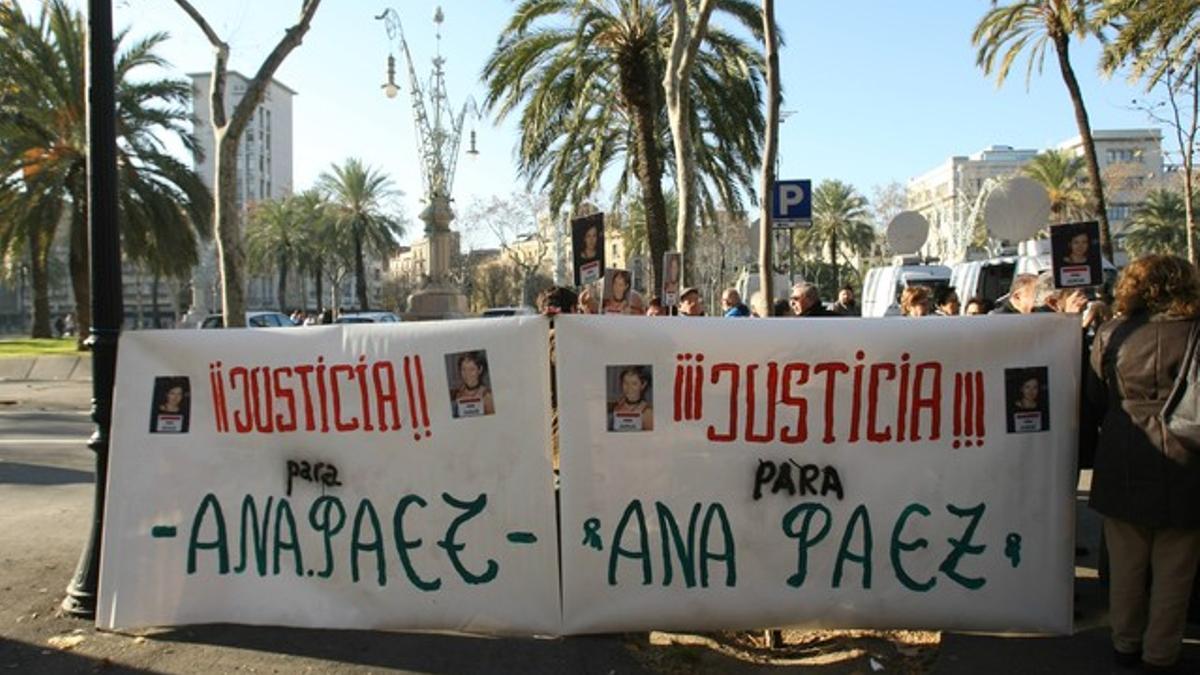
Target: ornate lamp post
x=439 y=131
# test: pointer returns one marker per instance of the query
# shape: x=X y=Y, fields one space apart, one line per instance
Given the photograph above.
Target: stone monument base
x=431 y=304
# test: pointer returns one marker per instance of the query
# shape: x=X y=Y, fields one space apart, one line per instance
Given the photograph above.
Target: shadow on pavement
x=426 y=653
x=34 y=474
x=22 y=657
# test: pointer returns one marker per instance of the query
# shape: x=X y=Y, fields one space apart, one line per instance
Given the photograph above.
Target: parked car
x=368 y=317
x=493 y=312
x=253 y=320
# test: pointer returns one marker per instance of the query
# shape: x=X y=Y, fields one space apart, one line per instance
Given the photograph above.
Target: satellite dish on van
x=907 y=232
x=1016 y=210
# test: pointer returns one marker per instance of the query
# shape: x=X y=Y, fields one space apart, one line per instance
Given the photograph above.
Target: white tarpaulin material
x=348 y=477
x=721 y=474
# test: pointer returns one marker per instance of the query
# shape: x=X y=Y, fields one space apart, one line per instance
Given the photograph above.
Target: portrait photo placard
x=1075 y=248
x=587 y=246
x=1026 y=400
x=672 y=270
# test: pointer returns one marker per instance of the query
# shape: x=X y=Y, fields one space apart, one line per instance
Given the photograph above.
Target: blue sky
x=882 y=90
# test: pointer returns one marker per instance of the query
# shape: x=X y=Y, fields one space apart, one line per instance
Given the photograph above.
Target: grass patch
x=37 y=347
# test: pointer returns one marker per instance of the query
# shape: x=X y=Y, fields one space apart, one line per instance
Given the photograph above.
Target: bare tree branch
x=216 y=90
x=292 y=38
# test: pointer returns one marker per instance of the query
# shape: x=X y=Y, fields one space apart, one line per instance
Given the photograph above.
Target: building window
x=1124 y=156
x=1119 y=212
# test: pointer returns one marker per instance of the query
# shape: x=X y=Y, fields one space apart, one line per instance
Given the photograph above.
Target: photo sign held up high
x=733 y=474
x=1076 y=251
x=340 y=477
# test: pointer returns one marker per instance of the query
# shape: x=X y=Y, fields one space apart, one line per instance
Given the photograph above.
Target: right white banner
x=721 y=474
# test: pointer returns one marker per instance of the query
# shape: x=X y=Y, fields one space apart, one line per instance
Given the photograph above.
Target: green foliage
x=841 y=224
x=1153 y=38
x=1009 y=29
x=162 y=204
x=1061 y=173
x=586 y=79
x=36 y=347
x=364 y=217
x=1159 y=225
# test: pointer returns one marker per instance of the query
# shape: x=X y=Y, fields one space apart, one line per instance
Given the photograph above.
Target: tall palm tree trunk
x=281 y=289
x=360 y=273
x=319 y=282
x=833 y=251
x=638 y=88
x=155 y=280
x=39 y=257
x=1061 y=45
x=766 y=235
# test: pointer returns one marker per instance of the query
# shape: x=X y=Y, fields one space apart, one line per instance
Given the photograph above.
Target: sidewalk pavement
x=49 y=368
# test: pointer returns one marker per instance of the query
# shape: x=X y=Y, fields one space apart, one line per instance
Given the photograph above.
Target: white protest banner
x=350 y=477
x=875 y=473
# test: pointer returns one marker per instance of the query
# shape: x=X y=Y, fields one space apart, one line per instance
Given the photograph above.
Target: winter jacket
x=1136 y=477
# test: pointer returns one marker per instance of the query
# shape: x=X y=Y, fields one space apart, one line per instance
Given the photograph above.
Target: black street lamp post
x=107 y=309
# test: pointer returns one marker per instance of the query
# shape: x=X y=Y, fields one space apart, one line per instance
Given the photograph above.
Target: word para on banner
x=890 y=401
x=704 y=551
x=321 y=397
x=264 y=539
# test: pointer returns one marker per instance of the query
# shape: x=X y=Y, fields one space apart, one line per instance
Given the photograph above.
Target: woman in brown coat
x=1146 y=485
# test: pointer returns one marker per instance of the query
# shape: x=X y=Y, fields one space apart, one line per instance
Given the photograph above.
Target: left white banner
x=340 y=477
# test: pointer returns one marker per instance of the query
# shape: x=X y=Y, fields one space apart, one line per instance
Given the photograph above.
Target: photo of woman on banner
x=1026 y=400
x=470 y=384
x=1075 y=250
x=672 y=264
x=172 y=406
x=587 y=242
x=619 y=296
x=629 y=398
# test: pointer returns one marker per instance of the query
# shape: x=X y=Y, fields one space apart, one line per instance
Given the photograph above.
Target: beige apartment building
x=950 y=196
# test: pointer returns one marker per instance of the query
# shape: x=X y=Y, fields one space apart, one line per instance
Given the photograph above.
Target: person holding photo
x=632 y=412
x=472 y=398
x=620 y=299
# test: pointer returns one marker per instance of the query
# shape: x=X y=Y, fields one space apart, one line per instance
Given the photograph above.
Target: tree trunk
x=638 y=88
x=78 y=258
x=1099 y=207
x=281 y=291
x=766 y=270
x=360 y=273
x=154 y=282
x=230 y=257
x=319 y=283
x=39 y=257
x=227 y=134
x=685 y=42
x=833 y=263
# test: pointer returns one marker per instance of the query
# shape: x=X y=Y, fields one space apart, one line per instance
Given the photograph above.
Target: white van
x=883 y=285
x=988 y=279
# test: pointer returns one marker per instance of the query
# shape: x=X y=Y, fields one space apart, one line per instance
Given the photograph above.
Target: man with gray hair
x=806 y=301
x=731 y=302
x=1022 y=298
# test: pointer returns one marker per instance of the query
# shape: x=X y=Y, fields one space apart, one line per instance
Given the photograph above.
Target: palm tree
x=1008 y=29
x=315 y=238
x=273 y=240
x=1154 y=38
x=1158 y=225
x=1060 y=172
x=359 y=196
x=43 y=161
x=841 y=223
x=587 y=78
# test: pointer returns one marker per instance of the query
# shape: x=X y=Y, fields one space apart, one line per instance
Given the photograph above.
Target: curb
x=57 y=368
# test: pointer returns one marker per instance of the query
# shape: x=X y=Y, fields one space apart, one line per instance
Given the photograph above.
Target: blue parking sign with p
x=791 y=202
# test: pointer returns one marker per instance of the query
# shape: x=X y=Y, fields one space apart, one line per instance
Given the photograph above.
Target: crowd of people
x=1146 y=481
